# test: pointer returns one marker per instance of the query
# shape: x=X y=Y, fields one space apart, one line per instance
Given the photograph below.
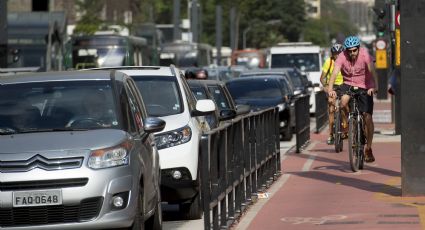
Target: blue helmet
x=351 y=41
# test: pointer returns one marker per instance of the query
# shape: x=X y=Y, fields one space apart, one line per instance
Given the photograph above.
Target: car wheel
x=192 y=210
x=155 y=222
x=138 y=218
x=287 y=133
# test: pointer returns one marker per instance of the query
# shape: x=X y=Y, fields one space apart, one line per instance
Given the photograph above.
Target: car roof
x=264 y=71
x=206 y=82
x=251 y=78
x=56 y=76
x=141 y=70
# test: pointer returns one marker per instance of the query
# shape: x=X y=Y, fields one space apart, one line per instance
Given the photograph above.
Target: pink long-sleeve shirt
x=356 y=73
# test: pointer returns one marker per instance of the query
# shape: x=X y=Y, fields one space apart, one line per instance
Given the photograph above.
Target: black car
x=286 y=84
x=262 y=92
x=217 y=91
x=302 y=86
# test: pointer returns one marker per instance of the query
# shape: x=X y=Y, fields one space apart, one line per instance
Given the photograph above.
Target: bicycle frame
x=337 y=125
x=356 y=134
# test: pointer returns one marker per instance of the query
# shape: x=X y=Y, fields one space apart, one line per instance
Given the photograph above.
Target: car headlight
x=173 y=138
x=281 y=107
x=109 y=157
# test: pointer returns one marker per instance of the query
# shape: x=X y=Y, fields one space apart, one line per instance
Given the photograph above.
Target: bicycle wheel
x=337 y=132
x=361 y=141
x=353 y=144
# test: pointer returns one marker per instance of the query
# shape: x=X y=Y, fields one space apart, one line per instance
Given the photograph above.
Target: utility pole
x=412 y=98
x=3 y=34
x=195 y=20
x=218 y=32
x=176 y=20
x=233 y=44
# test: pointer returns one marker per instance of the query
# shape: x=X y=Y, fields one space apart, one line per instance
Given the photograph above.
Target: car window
x=296 y=78
x=136 y=113
x=219 y=97
x=303 y=61
x=161 y=95
x=199 y=92
x=36 y=106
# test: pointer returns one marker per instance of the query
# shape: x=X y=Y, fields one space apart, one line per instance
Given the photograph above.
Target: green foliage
x=269 y=22
x=90 y=21
x=333 y=24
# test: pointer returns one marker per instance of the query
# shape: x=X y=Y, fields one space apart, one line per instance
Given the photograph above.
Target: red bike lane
x=318 y=190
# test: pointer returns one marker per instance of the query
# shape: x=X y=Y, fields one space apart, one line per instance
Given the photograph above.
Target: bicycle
x=356 y=137
x=338 y=140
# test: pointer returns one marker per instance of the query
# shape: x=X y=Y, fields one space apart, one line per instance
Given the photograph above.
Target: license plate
x=37 y=198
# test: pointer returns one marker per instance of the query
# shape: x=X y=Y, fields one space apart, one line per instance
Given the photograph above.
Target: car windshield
x=254 y=89
x=305 y=61
x=89 y=57
x=161 y=95
x=60 y=105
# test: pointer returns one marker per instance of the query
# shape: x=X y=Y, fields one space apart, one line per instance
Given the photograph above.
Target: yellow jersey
x=328 y=68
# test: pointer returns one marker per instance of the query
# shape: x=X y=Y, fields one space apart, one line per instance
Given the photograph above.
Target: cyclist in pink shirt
x=358 y=70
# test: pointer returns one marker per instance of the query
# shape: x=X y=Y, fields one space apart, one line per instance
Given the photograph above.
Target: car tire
x=287 y=133
x=155 y=222
x=192 y=210
x=139 y=218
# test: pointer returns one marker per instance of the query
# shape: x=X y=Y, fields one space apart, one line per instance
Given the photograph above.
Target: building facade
x=312 y=8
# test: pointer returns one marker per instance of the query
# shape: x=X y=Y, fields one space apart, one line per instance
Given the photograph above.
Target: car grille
x=43 y=184
x=41 y=162
x=23 y=216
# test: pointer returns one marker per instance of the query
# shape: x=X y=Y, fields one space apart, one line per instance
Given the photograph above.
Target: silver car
x=77 y=152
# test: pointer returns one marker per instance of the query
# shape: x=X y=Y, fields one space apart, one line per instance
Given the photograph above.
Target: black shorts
x=365 y=101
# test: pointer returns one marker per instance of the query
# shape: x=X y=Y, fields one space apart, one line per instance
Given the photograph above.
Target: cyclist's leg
x=366 y=107
x=344 y=115
x=345 y=99
x=331 y=110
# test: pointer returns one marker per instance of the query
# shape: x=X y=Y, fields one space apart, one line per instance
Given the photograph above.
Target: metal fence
x=238 y=160
x=302 y=122
x=321 y=113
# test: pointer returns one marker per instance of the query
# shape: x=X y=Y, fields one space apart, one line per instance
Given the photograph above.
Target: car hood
x=173 y=122
x=58 y=141
x=257 y=103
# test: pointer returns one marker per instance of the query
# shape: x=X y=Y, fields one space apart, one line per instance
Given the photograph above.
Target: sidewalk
x=318 y=190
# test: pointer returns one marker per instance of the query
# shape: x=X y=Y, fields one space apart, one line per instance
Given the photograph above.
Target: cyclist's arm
x=374 y=74
x=325 y=71
x=323 y=78
x=333 y=77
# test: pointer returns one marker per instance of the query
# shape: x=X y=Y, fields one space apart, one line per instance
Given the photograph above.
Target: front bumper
x=83 y=207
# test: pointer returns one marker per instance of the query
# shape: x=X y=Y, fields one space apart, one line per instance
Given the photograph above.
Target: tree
x=90 y=21
x=334 y=23
x=256 y=15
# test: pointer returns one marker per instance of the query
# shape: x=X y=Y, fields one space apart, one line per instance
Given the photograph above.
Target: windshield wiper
x=35 y=130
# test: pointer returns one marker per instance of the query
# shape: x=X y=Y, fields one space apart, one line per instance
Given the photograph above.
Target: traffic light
x=381 y=21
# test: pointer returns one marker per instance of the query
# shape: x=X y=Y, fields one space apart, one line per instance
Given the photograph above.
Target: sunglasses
x=353 y=50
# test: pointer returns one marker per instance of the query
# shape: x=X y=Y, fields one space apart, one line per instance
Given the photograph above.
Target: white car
x=305 y=56
x=166 y=94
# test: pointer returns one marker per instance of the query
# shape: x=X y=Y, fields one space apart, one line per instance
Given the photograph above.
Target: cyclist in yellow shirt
x=327 y=69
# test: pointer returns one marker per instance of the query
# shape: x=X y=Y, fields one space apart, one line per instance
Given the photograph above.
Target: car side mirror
x=242 y=109
x=316 y=85
x=204 y=107
x=153 y=124
x=227 y=114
